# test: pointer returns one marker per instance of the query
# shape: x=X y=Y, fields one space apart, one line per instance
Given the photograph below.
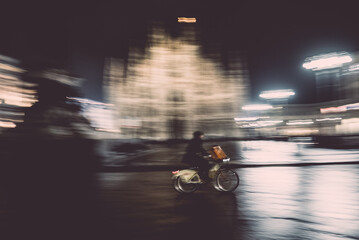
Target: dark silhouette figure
x=196 y=155
x=50 y=161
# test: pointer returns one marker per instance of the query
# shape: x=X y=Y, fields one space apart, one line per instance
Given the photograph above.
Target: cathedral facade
x=171 y=88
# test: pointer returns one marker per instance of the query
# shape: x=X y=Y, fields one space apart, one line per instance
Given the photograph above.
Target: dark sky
x=276 y=36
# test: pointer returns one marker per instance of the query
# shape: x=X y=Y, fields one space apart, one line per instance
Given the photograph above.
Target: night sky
x=276 y=36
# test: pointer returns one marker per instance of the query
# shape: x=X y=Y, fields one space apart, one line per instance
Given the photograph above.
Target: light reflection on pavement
x=244 y=152
x=307 y=202
x=317 y=202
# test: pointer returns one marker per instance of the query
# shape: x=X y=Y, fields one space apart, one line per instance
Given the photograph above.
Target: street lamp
x=327 y=61
x=277 y=94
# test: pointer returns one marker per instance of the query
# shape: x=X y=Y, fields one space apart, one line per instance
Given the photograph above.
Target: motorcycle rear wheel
x=226 y=180
x=183 y=187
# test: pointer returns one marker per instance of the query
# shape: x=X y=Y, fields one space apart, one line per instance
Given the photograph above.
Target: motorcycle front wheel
x=226 y=180
x=183 y=187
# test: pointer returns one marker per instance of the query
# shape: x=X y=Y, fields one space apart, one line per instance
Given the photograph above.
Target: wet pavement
x=313 y=202
x=281 y=199
x=299 y=192
x=242 y=154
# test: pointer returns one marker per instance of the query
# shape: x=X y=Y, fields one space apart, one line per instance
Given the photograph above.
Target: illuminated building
x=350 y=79
x=15 y=94
x=328 y=69
x=336 y=75
x=171 y=89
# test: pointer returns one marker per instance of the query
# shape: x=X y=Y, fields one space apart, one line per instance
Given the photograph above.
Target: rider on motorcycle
x=197 y=156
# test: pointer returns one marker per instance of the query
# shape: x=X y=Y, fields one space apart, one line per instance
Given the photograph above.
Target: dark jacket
x=195 y=152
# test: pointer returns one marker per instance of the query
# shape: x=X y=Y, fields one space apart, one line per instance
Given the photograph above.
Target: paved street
x=288 y=201
x=318 y=202
x=279 y=200
x=103 y=102
x=242 y=154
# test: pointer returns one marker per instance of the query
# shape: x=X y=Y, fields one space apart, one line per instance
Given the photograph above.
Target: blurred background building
x=15 y=94
x=334 y=114
x=171 y=89
x=349 y=83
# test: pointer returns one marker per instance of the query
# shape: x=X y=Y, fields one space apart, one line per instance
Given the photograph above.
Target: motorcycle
x=222 y=177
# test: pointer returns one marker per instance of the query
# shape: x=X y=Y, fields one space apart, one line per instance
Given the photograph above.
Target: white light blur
x=108 y=130
x=251 y=125
x=300 y=131
x=321 y=200
x=353 y=68
x=7 y=124
x=186 y=20
x=59 y=76
x=89 y=101
x=269 y=123
x=18 y=99
x=300 y=122
x=13 y=90
x=277 y=94
x=333 y=200
x=327 y=61
x=328 y=119
x=246 y=119
x=11 y=68
x=348 y=126
x=100 y=114
x=333 y=109
x=8 y=77
x=353 y=106
x=344 y=108
x=11 y=120
x=257 y=107
x=265 y=123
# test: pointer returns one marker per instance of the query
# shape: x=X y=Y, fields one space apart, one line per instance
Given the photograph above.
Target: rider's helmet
x=197 y=134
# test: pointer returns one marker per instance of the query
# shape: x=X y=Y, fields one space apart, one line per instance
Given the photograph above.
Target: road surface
x=313 y=202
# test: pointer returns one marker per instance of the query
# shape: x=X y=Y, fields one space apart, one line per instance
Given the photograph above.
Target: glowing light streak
x=246 y=119
x=186 y=20
x=250 y=125
x=333 y=109
x=5 y=76
x=107 y=130
x=277 y=94
x=269 y=123
x=88 y=101
x=328 y=119
x=257 y=107
x=301 y=131
x=59 y=76
x=327 y=61
x=353 y=68
x=300 y=122
x=7 y=124
x=11 y=120
x=11 y=68
x=353 y=106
